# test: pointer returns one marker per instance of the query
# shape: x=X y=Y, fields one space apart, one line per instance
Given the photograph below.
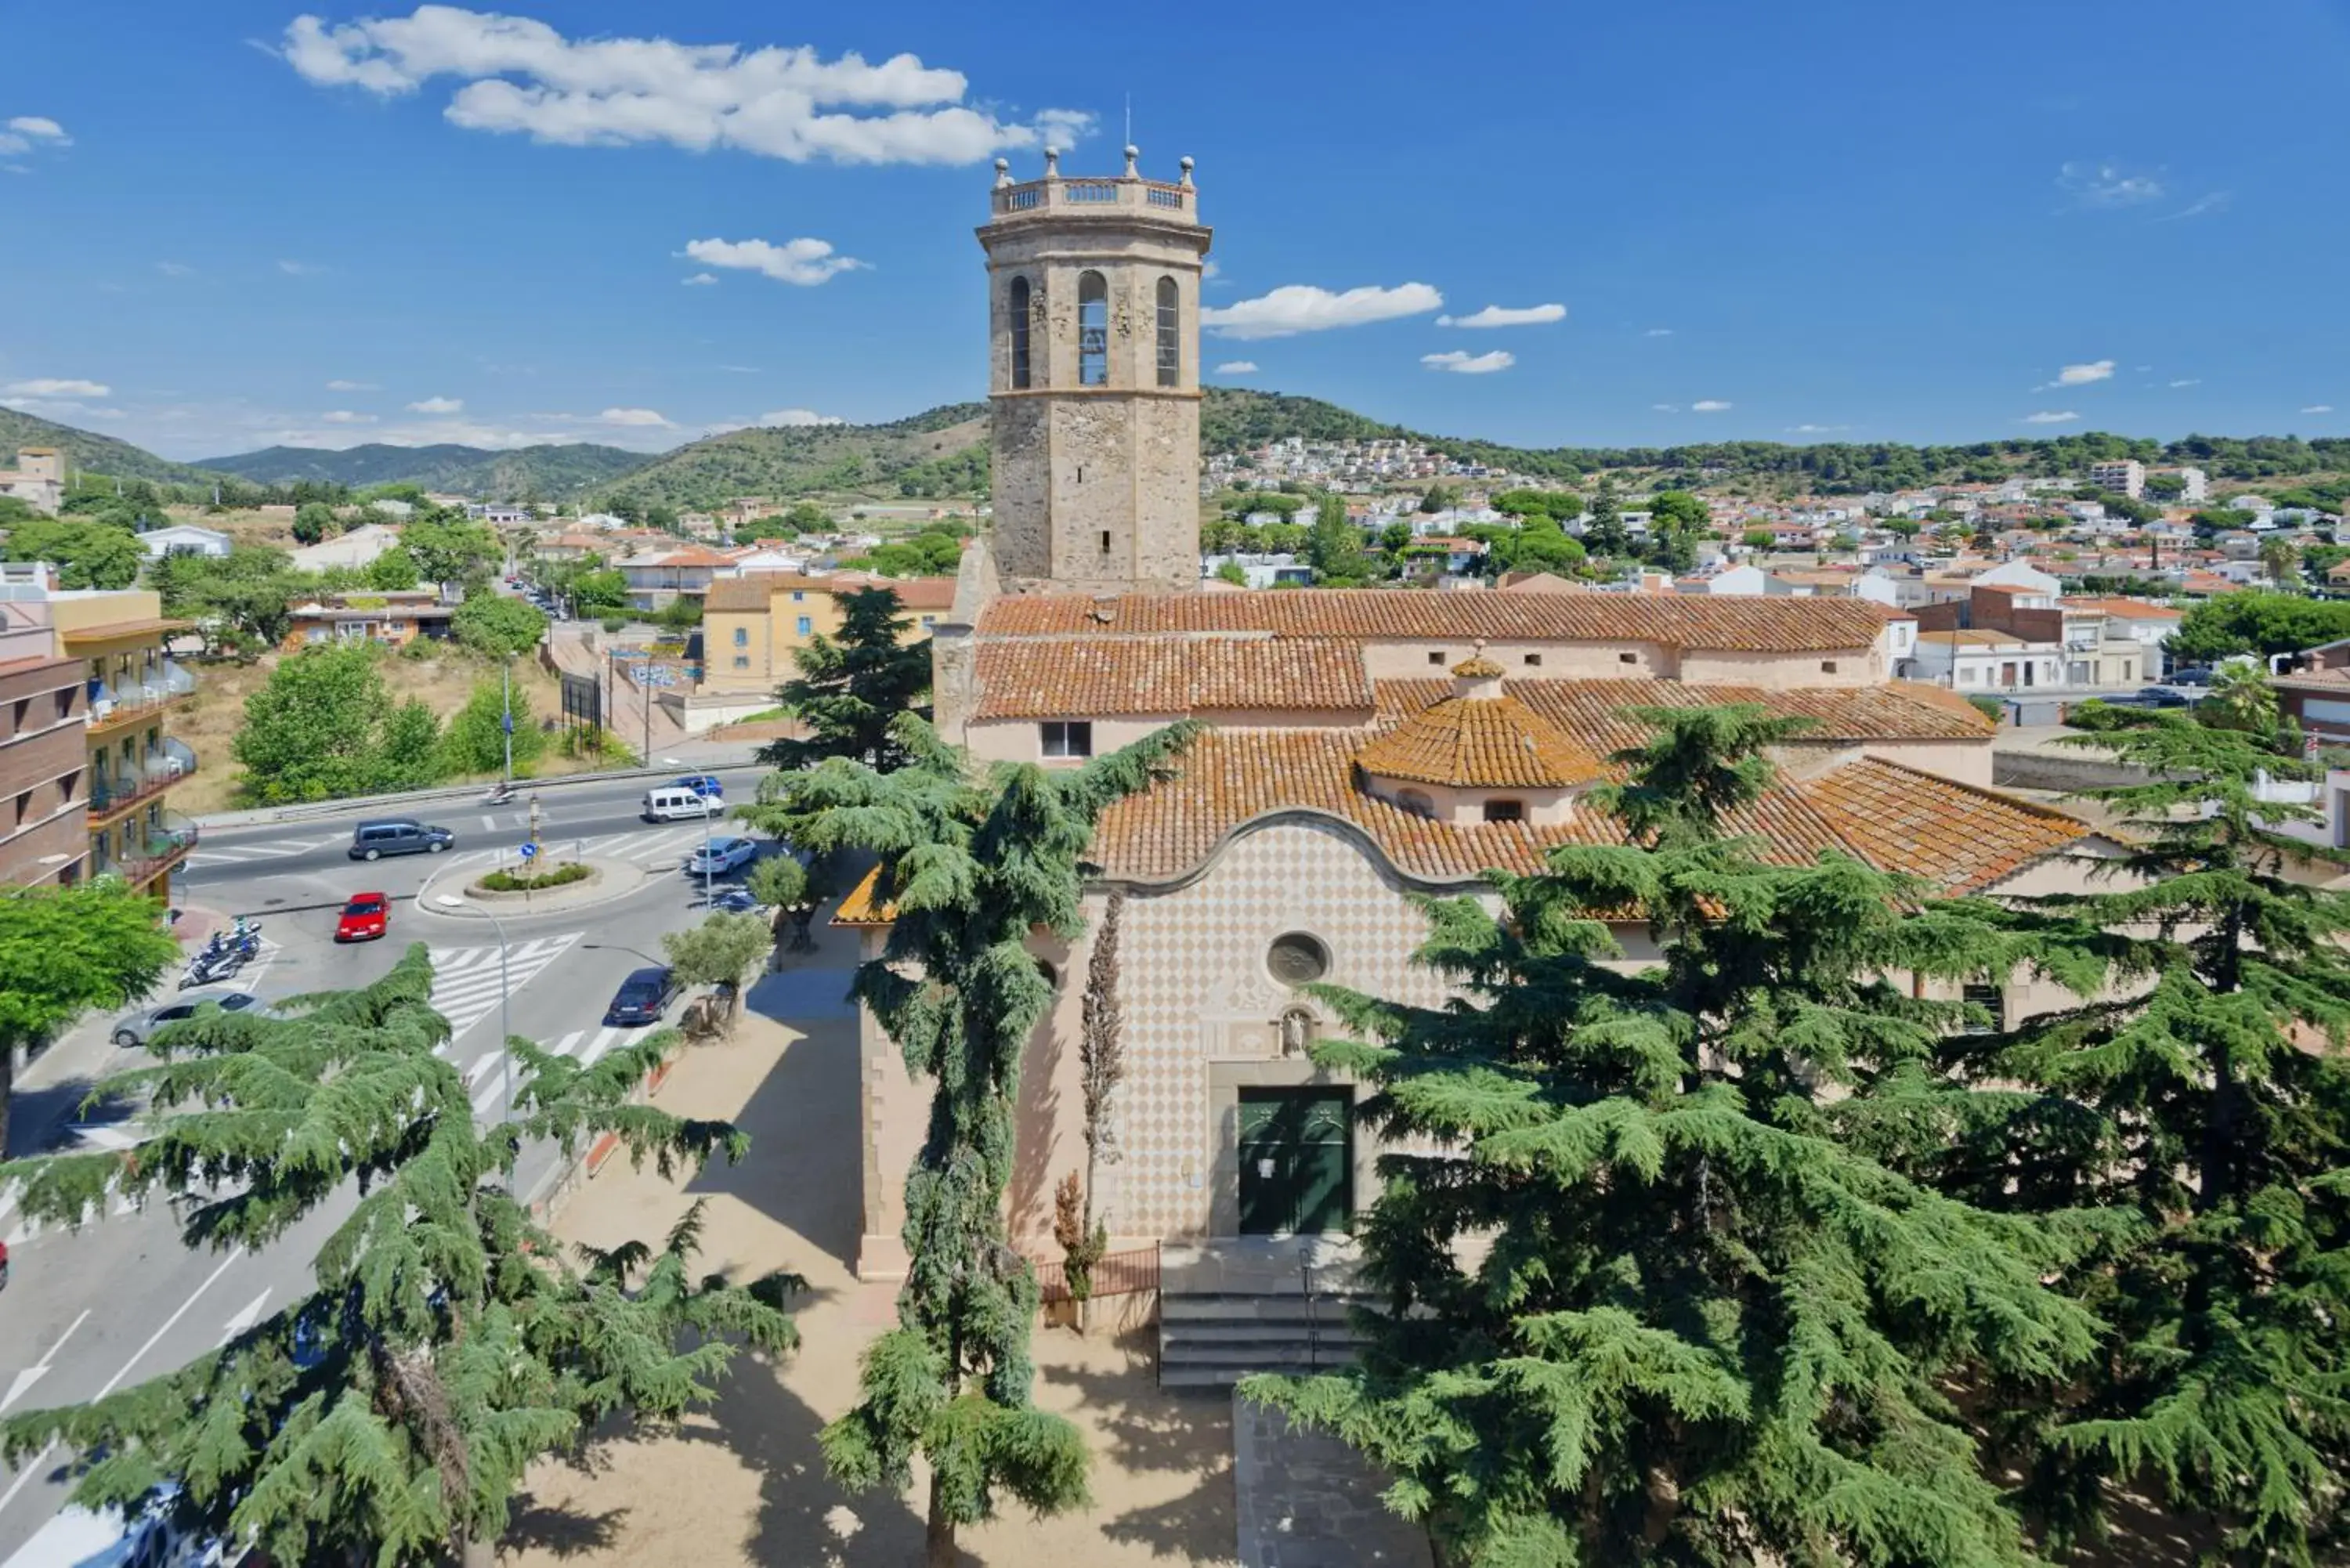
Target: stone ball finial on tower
x=1004 y=171
x=1186 y=166
x=1052 y=164
x=1132 y=154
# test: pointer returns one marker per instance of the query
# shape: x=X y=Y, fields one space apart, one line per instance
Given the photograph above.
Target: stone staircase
x=1228 y=1308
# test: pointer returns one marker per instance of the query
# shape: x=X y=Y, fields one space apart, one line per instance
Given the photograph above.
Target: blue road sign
x=530 y=852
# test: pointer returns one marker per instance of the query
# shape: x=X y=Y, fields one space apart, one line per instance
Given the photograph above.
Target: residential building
x=185 y=539
x=130 y=686
x=1260 y=570
x=658 y=580
x=38 y=479
x=752 y=625
x=1985 y=658
x=44 y=764
x=2199 y=486
x=2151 y=626
x=393 y=618
x=2127 y=477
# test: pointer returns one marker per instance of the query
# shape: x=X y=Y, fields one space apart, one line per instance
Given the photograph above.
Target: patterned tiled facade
x=1196 y=989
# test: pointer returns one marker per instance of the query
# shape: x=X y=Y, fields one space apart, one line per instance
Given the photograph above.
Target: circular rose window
x=1297 y=959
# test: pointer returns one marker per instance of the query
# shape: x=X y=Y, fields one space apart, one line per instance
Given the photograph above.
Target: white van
x=670 y=803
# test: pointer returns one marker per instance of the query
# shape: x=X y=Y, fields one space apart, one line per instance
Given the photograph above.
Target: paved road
x=90 y=1312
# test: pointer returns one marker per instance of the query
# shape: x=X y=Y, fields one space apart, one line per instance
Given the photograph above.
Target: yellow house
x=132 y=688
x=752 y=625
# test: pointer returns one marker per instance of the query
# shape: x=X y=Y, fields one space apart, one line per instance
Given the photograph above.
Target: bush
x=1990 y=708
x=612 y=624
x=507 y=882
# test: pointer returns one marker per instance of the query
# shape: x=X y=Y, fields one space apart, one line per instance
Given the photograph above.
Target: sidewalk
x=744 y=1483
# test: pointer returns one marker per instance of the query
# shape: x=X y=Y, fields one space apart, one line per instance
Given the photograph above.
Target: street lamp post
x=505 y=989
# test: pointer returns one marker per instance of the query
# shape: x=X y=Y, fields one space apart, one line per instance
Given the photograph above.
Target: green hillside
x=942 y=454
x=552 y=473
x=88 y=450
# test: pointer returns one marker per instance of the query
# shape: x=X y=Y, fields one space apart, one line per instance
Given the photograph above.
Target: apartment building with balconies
x=44 y=828
x=113 y=642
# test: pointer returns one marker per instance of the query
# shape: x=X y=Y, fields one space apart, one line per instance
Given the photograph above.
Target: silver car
x=139 y=1027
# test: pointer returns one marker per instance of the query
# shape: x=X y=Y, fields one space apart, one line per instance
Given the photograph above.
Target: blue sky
x=233 y=224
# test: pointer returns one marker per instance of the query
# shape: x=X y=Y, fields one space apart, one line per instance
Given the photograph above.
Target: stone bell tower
x=1093 y=379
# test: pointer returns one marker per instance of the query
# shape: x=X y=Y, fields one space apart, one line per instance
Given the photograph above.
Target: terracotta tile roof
x=1039 y=677
x=741 y=593
x=1749 y=625
x=1479 y=743
x=1964 y=838
x=1590 y=712
x=2127 y=610
x=862 y=907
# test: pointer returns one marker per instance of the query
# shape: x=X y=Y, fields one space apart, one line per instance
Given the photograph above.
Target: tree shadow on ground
x=37 y=1118
x=804 y=1120
x=1144 y=1430
x=562 y=1531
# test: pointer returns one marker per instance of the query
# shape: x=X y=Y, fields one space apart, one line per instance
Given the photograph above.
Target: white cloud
x=1709 y=406
x=2050 y=417
x=2108 y=184
x=40 y=128
x=1666 y=408
x=1237 y=368
x=2081 y=375
x=1658 y=332
x=796 y=418
x=339 y=386
x=346 y=417
x=1466 y=364
x=438 y=406
x=631 y=416
x=2217 y=201
x=520 y=75
x=1303 y=307
x=1208 y=270
x=173 y=269
x=299 y=269
x=700 y=280
x=803 y=262
x=2318 y=409
x=1815 y=429
x=741 y=370
x=2189 y=381
x=55 y=387
x=1507 y=316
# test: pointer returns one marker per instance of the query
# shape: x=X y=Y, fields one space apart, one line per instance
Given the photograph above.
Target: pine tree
x=852 y=685
x=2201 y=1100
x=971 y=862
x=1644 y=1303
x=1603 y=534
x=388 y=1415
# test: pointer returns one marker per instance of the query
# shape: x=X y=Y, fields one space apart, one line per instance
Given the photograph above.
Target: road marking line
x=33 y=1468
x=605 y=1040
x=489 y=823
x=560 y=1048
x=40 y=1369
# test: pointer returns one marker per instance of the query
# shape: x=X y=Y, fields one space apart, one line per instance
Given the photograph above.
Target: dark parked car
x=2161 y=696
x=2189 y=678
x=643 y=997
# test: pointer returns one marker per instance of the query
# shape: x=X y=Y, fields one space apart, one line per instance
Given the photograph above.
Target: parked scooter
x=212 y=968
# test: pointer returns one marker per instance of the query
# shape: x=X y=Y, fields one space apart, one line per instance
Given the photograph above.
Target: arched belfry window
x=1093 y=330
x=1170 y=334
x=1016 y=308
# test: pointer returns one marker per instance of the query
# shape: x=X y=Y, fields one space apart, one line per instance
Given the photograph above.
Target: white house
x=358 y=547
x=1986 y=659
x=2151 y=626
x=1261 y=571
x=185 y=539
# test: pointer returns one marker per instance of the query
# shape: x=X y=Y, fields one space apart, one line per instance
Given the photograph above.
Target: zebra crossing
x=467 y=983
x=487 y=1078
x=245 y=854
x=641 y=847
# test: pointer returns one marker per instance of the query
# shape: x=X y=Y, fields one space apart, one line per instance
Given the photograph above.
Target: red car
x=365 y=918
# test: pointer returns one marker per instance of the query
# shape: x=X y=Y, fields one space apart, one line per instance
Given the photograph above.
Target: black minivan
x=398 y=836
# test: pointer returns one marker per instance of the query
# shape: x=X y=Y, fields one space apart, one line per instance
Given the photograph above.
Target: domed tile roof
x=1481 y=739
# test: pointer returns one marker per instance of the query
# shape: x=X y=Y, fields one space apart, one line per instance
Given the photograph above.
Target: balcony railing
x=120 y=784
x=111 y=706
x=1093 y=195
x=162 y=845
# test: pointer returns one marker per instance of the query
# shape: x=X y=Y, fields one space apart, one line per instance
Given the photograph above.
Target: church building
x=1366 y=745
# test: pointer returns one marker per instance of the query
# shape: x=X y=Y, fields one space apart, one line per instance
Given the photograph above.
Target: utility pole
x=505 y=683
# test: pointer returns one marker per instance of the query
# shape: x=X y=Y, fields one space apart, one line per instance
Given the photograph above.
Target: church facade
x=1365 y=746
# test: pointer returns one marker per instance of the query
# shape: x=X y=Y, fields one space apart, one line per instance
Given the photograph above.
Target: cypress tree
x=2200 y=1104
x=389 y=1414
x=1639 y=1299
x=973 y=863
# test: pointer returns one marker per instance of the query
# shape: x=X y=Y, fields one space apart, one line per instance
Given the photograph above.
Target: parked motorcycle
x=212 y=968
